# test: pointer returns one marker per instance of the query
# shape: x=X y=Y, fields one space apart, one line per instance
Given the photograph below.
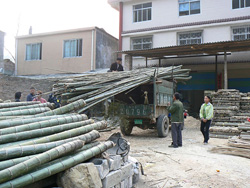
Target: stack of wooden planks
x=238 y=145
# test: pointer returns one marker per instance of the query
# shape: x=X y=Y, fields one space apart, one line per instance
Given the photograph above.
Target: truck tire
x=162 y=125
x=126 y=129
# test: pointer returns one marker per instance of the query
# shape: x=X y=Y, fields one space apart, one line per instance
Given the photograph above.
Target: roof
x=65 y=32
x=194 y=49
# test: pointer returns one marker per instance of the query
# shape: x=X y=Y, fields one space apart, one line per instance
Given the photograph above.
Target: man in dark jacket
x=117 y=66
x=177 y=119
x=32 y=94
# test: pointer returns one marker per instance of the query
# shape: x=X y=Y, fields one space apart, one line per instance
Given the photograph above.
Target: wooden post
x=216 y=73
x=146 y=62
x=225 y=71
x=159 y=62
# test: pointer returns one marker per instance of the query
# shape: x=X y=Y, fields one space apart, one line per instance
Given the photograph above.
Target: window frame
x=189 y=32
x=141 y=37
x=239 y=27
x=147 y=8
x=77 y=47
x=245 y=2
x=40 y=51
x=189 y=10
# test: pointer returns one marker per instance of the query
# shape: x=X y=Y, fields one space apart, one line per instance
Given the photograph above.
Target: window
x=241 y=33
x=142 y=43
x=240 y=4
x=34 y=51
x=142 y=12
x=188 y=7
x=190 y=38
x=72 y=48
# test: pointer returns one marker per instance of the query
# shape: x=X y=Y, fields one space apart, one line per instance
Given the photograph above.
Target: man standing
x=32 y=94
x=177 y=119
x=117 y=66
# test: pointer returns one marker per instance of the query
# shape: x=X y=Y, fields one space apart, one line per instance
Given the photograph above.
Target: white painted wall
x=166 y=12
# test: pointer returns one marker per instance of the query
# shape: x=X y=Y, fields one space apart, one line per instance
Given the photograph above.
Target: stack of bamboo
x=96 y=88
x=35 y=145
x=238 y=145
x=245 y=103
x=226 y=107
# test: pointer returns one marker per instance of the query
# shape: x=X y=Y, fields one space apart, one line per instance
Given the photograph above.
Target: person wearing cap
x=32 y=95
x=206 y=116
x=117 y=66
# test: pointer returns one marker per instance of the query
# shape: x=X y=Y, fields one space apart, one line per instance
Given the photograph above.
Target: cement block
x=102 y=167
x=115 y=162
x=127 y=171
x=112 y=179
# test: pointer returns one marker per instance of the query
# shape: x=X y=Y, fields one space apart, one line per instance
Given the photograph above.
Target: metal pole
x=160 y=62
x=216 y=73
x=146 y=62
x=225 y=71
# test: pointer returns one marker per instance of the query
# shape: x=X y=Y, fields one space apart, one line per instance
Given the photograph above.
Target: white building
x=146 y=24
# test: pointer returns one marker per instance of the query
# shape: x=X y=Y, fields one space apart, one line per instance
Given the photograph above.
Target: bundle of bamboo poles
x=95 y=88
x=36 y=146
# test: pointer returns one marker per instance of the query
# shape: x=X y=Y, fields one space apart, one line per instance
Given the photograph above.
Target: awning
x=194 y=49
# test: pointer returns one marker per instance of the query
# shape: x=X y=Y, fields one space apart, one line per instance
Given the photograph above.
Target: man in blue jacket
x=32 y=94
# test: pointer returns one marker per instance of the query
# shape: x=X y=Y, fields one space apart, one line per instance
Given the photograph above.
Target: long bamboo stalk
x=43 y=124
x=7 y=138
x=15 y=104
x=50 y=105
x=68 y=134
x=8 y=163
x=57 y=167
x=65 y=109
x=30 y=164
x=86 y=137
x=31 y=111
x=25 y=120
x=20 y=151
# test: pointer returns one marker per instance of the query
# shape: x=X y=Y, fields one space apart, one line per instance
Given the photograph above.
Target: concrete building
x=155 y=24
x=71 y=51
x=1 y=45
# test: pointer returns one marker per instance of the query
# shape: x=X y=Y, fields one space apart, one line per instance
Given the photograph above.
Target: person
x=177 y=119
x=206 y=116
x=53 y=99
x=18 y=96
x=31 y=96
x=117 y=66
x=39 y=97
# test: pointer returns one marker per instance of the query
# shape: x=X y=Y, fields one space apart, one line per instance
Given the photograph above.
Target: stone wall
x=7 y=67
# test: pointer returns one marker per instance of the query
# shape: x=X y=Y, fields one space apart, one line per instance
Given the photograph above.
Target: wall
x=166 y=12
x=1 y=45
x=7 y=67
x=52 y=54
x=106 y=48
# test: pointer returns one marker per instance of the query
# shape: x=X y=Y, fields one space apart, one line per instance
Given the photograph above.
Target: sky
x=16 y=17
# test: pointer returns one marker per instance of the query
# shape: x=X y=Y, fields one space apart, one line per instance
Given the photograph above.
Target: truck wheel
x=162 y=125
x=126 y=129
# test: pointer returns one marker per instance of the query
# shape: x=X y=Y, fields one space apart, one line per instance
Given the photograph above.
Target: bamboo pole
x=31 y=111
x=49 y=105
x=15 y=104
x=65 y=109
x=27 y=120
x=7 y=138
x=20 y=151
x=60 y=166
x=8 y=163
x=43 y=124
x=68 y=134
x=30 y=164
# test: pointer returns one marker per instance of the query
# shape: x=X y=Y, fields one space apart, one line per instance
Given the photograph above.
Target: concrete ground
x=189 y=166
